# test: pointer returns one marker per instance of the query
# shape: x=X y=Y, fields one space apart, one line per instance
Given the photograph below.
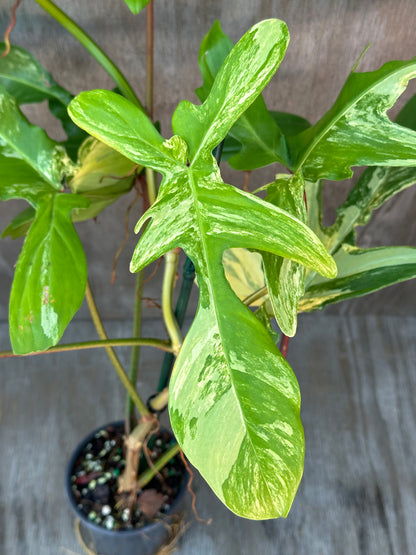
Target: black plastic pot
x=145 y=541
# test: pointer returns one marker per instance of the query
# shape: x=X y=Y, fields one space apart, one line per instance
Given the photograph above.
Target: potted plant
x=234 y=401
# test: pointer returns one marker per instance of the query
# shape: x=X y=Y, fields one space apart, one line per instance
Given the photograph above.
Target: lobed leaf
x=254 y=464
x=356 y=131
x=24 y=78
x=245 y=72
x=31 y=143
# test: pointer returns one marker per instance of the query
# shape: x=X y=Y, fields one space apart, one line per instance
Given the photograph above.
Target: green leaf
x=215 y=47
x=24 y=78
x=257 y=60
x=244 y=272
x=136 y=6
x=356 y=131
x=407 y=115
x=259 y=139
x=20 y=225
x=51 y=272
x=31 y=143
x=103 y=175
x=17 y=176
x=116 y=121
x=285 y=279
x=234 y=407
x=290 y=124
x=375 y=186
x=264 y=314
x=360 y=272
x=254 y=464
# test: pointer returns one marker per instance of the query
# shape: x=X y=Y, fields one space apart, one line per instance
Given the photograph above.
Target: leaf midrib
x=31 y=85
x=200 y=223
x=25 y=158
x=349 y=105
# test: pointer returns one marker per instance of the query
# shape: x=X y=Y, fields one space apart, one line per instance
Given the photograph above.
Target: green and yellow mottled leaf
x=254 y=464
x=360 y=272
x=257 y=56
x=27 y=81
x=356 y=131
x=258 y=139
x=118 y=123
x=244 y=272
x=285 y=279
x=51 y=272
x=103 y=175
x=31 y=143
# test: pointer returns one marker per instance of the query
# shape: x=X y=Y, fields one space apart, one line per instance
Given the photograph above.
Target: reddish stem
x=284 y=345
x=10 y=28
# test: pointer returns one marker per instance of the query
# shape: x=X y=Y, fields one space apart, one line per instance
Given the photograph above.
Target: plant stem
x=93 y=49
x=143 y=410
x=150 y=175
x=151 y=185
x=148 y=474
x=149 y=58
x=135 y=351
x=171 y=264
x=125 y=342
x=151 y=193
x=180 y=311
x=255 y=296
x=133 y=444
x=159 y=401
x=284 y=345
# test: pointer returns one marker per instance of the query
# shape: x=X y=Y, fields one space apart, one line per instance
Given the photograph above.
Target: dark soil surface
x=94 y=481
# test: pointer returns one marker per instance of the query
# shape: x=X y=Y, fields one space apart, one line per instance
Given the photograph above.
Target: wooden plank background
x=327 y=37
x=358 y=493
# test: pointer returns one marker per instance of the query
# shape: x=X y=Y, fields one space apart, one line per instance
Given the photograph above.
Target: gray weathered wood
x=358 y=494
x=327 y=37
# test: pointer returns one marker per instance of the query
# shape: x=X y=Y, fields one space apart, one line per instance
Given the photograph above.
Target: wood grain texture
x=358 y=494
x=327 y=37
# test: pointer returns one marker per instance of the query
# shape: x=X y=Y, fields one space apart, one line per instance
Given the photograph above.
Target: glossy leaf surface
x=31 y=143
x=356 y=131
x=375 y=186
x=51 y=272
x=228 y=360
x=259 y=141
x=27 y=81
x=361 y=271
x=285 y=279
